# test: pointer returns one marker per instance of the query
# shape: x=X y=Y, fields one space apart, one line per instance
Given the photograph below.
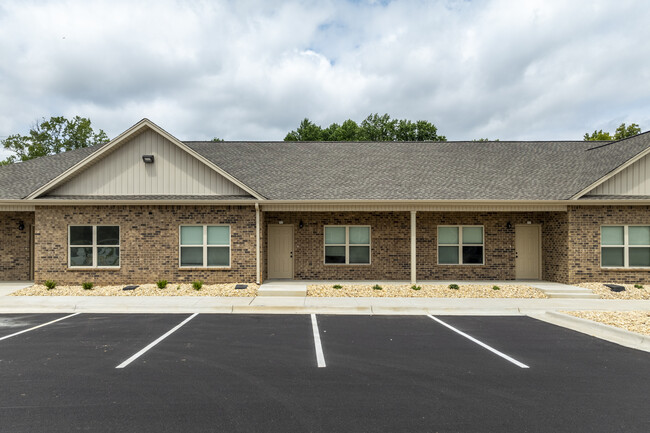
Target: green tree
x=372 y=128
x=622 y=132
x=307 y=131
x=625 y=132
x=217 y=139
x=55 y=135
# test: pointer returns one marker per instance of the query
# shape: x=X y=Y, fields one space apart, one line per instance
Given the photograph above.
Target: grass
x=161 y=284
x=638 y=286
x=87 y=285
x=197 y=285
x=377 y=287
x=337 y=286
x=50 y=284
x=414 y=287
x=454 y=286
x=496 y=288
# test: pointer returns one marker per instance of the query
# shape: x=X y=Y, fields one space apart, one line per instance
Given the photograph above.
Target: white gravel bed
x=634 y=321
x=606 y=293
x=426 y=291
x=183 y=289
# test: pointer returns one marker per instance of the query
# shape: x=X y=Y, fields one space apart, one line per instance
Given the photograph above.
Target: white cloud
x=254 y=69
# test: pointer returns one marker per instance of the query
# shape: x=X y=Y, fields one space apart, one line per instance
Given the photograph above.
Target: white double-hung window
x=625 y=246
x=205 y=246
x=460 y=245
x=92 y=246
x=347 y=245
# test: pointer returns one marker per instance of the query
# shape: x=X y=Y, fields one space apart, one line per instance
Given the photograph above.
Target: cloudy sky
x=251 y=70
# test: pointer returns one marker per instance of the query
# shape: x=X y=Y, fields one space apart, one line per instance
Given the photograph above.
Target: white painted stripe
x=317 y=344
x=158 y=340
x=36 y=327
x=491 y=349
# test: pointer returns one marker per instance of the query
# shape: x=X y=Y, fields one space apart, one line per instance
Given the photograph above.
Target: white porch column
x=257 y=243
x=413 y=248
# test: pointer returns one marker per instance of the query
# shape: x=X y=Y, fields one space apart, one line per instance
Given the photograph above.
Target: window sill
x=202 y=268
x=461 y=264
x=347 y=264
x=625 y=269
x=90 y=268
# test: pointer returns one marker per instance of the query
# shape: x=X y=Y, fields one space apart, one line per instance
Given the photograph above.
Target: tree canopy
x=55 y=135
x=372 y=128
x=622 y=132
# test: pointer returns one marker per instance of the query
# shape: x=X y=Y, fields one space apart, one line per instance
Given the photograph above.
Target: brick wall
x=391 y=248
x=584 y=242
x=390 y=244
x=15 y=262
x=149 y=237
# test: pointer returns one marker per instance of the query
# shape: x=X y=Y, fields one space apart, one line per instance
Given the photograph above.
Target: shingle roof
x=21 y=179
x=385 y=170
x=146 y=197
x=420 y=171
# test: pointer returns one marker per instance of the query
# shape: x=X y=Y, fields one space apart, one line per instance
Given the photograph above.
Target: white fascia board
x=135 y=129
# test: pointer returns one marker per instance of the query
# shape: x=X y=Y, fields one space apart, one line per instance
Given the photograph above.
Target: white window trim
x=347 y=245
x=626 y=246
x=205 y=246
x=94 y=246
x=460 y=246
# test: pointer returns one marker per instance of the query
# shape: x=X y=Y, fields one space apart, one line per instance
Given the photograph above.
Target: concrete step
x=282 y=290
x=572 y=295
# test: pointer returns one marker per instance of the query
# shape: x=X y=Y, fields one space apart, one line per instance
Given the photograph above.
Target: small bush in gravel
x=161 y=284
x=376 y=287
x=496 y=288
x=50 y=284
x=197 y=285
x=178 y=287
x=414 y=287
x=87 y=285
x=337 y=286
x=638 y=286
x=454 y=286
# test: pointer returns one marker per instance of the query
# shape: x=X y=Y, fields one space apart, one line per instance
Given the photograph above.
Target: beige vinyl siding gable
x=632 y=180
x=174 y=172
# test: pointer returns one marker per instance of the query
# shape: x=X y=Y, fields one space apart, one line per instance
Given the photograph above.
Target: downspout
x=257 y=243
x=413 y=248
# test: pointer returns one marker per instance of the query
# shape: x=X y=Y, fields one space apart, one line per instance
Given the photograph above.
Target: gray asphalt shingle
x=385 y=170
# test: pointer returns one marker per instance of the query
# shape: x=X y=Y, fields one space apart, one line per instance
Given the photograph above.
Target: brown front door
x=280 y=254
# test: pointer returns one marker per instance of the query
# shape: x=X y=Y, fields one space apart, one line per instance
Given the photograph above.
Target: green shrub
x=454 y=286
x=638 y=286
x=197 y=285
x=337 y=286
x=414 y=287
x=161 y=284
x=50 y=284
x=87 y=285
x=376 y=287
x=496 y=288
x=178 y=287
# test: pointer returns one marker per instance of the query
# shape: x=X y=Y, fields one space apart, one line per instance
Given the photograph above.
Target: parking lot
x=295 y=373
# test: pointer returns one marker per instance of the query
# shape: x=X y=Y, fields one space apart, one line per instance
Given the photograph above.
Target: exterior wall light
x=301 y=224
x=21 y=226
x=508 y=225
x=148 y=159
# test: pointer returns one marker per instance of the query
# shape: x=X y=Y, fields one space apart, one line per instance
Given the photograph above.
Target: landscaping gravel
x=427 y=291
x=606 y=293
x=184 y=289
x=635 y=321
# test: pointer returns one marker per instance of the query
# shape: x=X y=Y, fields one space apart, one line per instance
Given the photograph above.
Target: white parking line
x=320 y=358
x=36 y=327
x=158 y=340
x=491 y=349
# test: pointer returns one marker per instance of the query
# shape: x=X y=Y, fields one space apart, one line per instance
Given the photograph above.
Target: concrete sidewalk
x=304 y=305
